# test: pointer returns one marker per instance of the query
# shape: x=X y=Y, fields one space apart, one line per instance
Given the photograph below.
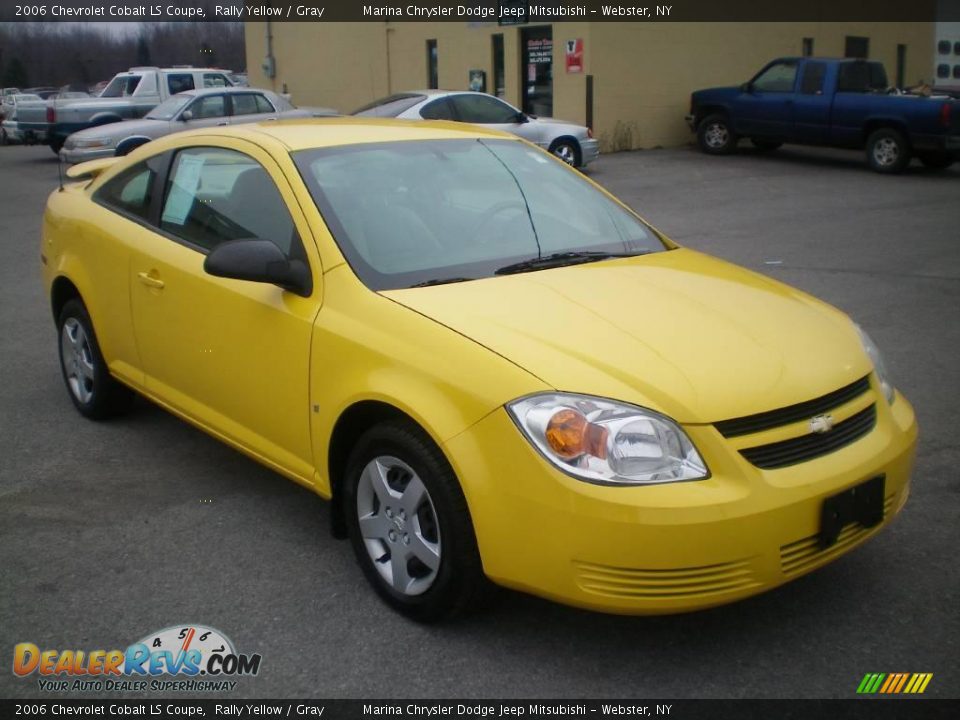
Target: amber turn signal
x=569 y=434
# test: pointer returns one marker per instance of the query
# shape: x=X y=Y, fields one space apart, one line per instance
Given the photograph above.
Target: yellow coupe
x=491 y=367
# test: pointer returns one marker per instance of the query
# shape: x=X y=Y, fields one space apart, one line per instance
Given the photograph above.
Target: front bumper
x=79 y=155
x=589 y=151
x=673 y=547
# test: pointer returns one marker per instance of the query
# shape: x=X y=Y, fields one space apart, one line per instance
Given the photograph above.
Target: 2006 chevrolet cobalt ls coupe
x=492 y=368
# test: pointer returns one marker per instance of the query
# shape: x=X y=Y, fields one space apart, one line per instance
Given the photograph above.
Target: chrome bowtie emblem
x=821 y=423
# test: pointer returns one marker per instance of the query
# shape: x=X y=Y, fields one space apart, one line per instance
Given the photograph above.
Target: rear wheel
x=887 y=151
x=409 y=525
x=92 y=389
x=937 y=160
x=715 y=136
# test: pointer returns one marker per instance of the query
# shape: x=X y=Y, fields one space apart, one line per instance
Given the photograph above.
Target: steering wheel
x=491 y=216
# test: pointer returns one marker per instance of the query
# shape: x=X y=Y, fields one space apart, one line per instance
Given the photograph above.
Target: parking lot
x=110 y=531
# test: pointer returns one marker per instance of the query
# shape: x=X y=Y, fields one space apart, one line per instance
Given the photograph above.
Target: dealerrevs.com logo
x=199 y=658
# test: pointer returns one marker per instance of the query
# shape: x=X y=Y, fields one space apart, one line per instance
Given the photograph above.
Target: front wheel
x=887 y=151
x=568 y=151
x=409 y=524
x=715 y=136
x=93 y=391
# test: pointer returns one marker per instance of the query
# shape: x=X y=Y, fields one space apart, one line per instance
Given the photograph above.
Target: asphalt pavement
x=110 y=531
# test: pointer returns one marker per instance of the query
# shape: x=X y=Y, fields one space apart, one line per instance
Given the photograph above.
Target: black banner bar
x=867 y=708
x=506 y=12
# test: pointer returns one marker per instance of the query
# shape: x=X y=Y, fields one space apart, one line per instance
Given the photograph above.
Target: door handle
x=151 y=280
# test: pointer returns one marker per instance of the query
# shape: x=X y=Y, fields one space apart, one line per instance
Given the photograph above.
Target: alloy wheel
x=398 y=524
x=77 y=359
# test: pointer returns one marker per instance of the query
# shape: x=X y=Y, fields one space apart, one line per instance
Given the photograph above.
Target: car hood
x=680 y=332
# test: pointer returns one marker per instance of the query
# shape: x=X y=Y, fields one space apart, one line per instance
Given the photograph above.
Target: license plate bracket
x=861 y=504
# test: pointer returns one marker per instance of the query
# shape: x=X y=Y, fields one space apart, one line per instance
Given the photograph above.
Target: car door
x=491 y=112
x=229 y=354
x=811 y=109
x=205 y=111
x=250 y=107
x=765 y=107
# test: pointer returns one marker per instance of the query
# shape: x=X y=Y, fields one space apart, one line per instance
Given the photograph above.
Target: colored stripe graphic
x=894 y=683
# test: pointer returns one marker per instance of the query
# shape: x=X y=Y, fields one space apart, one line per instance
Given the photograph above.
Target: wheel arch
x=131 y=143
x=568 y=139
x=62 y=290
x=708 y=110
x=874 y=124
x=347 y=430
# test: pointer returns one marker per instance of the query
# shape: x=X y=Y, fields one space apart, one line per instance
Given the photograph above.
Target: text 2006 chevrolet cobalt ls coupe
x=492 y=368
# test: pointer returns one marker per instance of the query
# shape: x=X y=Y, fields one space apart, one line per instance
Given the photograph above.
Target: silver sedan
x=183 y=111
x=572 y=143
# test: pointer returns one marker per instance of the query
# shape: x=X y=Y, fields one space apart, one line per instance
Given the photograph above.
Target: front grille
x=794 y=413
x=805 y=554
x=655 y=584
x=807 y=447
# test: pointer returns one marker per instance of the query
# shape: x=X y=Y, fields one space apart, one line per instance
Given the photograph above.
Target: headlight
x=91 y=143
x=607 y=442
x=873 y=352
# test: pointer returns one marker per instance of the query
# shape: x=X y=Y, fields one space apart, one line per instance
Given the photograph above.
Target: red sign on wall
x=574 y=55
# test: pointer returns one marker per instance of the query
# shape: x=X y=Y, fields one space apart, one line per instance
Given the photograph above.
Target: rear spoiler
x=91 y=168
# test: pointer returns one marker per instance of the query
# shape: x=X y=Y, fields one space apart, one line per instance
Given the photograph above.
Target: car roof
x=229 y=90
x=306 y=133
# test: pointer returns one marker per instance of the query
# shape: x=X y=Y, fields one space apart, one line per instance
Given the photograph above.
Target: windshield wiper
x=441 y=281
x=562 y=258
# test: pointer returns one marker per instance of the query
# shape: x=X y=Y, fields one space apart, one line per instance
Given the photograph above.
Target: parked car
x=129 y=95
x=9 y=111
x=408 y=319
x=572 y=143
x=184 y=111
x=822 y=101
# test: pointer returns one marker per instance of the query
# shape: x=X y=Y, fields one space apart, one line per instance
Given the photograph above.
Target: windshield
x=121 y=86
x=409 y=213
x=169 y=108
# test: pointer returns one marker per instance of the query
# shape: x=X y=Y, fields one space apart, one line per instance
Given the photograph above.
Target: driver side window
x=779 y=77
x=214 y=195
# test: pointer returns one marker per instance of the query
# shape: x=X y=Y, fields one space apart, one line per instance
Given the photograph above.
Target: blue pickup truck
x=834 y=102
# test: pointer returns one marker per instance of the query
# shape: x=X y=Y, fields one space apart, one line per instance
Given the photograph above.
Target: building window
x=943 y=47
x=901 y=65
x=499 y=84
x=857 y=47
x=807 y=47
x=956 y=48
x=433 y=77
x=943 y=71
x=956 y=72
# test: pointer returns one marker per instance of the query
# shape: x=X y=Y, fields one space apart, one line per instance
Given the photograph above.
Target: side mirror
x=186 y=115
x=521 y=117
x=259 y=261
x=746 y=88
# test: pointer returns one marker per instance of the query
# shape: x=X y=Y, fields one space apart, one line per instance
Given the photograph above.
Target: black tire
x=458 y=583
x=937 y=160
x=887 y=151
x=56 y=144
x=96 y=394
x=715 y=136
x=765 y=145
x=568 y=151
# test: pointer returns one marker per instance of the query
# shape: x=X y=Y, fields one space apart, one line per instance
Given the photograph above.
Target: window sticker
x=184 y=189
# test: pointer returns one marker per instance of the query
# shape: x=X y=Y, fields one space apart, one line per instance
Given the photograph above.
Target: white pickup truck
x=129 y=95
